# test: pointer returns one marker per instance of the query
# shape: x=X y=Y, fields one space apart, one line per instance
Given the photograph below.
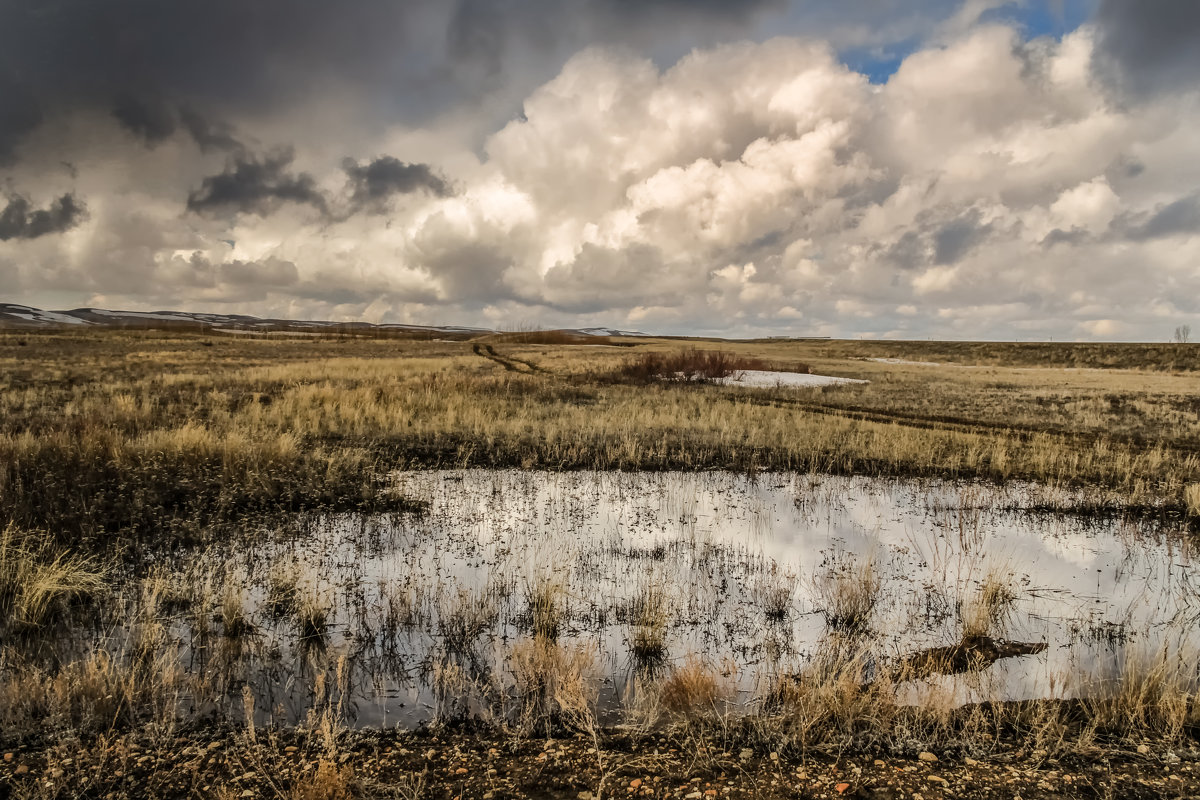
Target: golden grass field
x=247 y=424
x=115 y=446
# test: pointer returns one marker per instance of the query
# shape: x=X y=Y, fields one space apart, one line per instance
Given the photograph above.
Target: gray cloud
x=150 y=121
x=272 y=272
x=375 y=181
x=19 y=221
x=254 y=184
x=1181 y=216
x=236 y=58
x=19 y=114
x=208 y=134
x=1153 y=45
x=955 y=239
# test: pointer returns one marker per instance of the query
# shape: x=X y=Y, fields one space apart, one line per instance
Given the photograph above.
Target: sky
x=948 y=169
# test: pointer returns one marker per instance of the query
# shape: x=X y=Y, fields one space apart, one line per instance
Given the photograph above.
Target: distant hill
x=27 y=317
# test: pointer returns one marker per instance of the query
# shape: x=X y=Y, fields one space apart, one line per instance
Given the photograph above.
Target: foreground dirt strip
x=414 y=765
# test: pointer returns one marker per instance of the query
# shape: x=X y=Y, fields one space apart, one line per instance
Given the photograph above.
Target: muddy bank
x=461 y=765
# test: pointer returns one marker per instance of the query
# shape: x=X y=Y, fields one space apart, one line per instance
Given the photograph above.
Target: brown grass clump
x=987 y=612
x=1152 y=695
x=547 y=608
x=693 y=689
x=40 y=580
x=1191 y=499
x=649 y=617
x=686 y=365
x=848 y=593
x=328 y=781
x=555 y=686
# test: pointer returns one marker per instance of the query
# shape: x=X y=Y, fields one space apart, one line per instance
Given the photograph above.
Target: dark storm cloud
x=150 y=121
x=19 y=114
x=372 y=183
x=208 y=134
x=231 y=56
x=1152 y=44
x=254 y=184
x=19 y=221
x=1182 y=216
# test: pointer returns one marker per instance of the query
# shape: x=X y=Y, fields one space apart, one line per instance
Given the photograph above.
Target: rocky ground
x=466 y=765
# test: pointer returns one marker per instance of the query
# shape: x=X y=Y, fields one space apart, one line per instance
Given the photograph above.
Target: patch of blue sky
x=1034 y=18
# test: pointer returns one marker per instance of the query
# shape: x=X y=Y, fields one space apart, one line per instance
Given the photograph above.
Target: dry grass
x=547 y=608
x=154 y=440
x=39 y=580
x=847 y=593
x=1152 y=695
x=694 y=690
x=556 y=686
x=649 y=618
x=988 y=610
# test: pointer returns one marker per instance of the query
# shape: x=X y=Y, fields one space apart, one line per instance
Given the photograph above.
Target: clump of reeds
x=283 y=588
x=312 y=609
x=773 y=594
x=1191 y=499
x=987 y=612
x=462 y=618
x=848 y=593
x=401 y=607
x=1151 y=695
x=649 y=616
x=828 y=702
x=40 y=580
x=687 y=365
x=693 y=690
x=555 y=686
x=235 y=621
x=547 y=608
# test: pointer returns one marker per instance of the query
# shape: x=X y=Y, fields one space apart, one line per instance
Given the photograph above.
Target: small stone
x=8 y=757
x=939 y=780
x=21 y=769
x=291 y=748
x=774 y=756
x=841 y=788
x=635 y=783
x=880 y=763
x=925 y=755
x=1143 y=749
x=746 y=754
x=693 y=795
x=460 y=771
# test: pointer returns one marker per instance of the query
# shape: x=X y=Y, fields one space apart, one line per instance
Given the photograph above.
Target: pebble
x=8 y=756
x=746 y=754
x=693 y=795
x=1143 y=749
x=925 y=755
x=939 y=780
x=21 y=769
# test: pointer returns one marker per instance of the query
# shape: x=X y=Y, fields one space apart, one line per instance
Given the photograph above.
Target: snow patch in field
x=760 y=378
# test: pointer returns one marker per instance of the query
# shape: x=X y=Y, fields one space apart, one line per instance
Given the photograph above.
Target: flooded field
x=432 y=616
